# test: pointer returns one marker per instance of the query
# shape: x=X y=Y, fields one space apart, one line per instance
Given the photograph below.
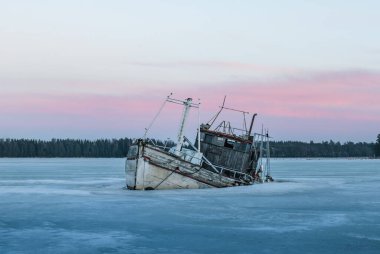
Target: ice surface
x=80 y=206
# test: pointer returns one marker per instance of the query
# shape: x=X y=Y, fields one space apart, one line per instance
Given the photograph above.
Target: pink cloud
x=352 y=95
x=336 y=98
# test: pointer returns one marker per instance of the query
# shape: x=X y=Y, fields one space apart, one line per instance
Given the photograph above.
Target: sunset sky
x=101 y=69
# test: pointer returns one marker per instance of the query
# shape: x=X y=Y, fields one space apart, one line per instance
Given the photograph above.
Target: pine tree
x=377 y=146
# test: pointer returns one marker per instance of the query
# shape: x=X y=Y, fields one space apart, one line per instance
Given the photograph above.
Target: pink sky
x=320 y=106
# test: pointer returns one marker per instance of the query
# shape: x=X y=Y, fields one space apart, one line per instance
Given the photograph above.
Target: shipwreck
x=220 y=156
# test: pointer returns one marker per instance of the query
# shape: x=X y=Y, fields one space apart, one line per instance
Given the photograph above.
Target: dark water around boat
x=79 y=206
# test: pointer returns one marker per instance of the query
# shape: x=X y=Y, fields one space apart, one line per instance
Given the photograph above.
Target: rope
x=167 y=162
x=154 y=119
x=164 y=179
x=173 y=171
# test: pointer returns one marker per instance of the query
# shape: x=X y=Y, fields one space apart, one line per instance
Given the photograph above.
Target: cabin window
x=229 y=143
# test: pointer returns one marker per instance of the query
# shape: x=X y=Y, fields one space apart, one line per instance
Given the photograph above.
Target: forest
x=330 y=149
x=106 y=148
x=118 y=148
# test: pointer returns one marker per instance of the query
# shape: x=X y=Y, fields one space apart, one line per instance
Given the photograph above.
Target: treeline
x=109 y=148
x=64 y=148
x=284 y=149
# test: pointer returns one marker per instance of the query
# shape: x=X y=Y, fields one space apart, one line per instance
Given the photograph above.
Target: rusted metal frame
x=235 y=172
x=220 y=134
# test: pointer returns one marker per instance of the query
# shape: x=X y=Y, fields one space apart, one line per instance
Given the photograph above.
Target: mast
x=261 y=152
x=185 y=112
x=199 y=128
x=268 y=155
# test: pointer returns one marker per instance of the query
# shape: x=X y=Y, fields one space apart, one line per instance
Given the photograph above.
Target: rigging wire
x=156 y=116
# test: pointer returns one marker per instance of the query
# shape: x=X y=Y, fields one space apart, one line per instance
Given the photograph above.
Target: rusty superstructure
x=220 y=157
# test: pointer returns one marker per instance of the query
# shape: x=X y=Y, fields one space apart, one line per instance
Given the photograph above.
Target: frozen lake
x=79 y=206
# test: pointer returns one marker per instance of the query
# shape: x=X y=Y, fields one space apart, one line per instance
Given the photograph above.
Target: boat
x=221 y=156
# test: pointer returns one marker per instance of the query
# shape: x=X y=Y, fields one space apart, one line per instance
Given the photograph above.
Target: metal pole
x=268 y=155
x=187 y=105
x=250 y=127
x=199 y=128
x=261 y=151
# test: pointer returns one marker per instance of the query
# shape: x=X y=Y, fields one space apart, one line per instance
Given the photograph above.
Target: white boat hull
x=154 y=169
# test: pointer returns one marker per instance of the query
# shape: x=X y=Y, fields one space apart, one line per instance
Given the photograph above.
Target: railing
x=235 y=174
